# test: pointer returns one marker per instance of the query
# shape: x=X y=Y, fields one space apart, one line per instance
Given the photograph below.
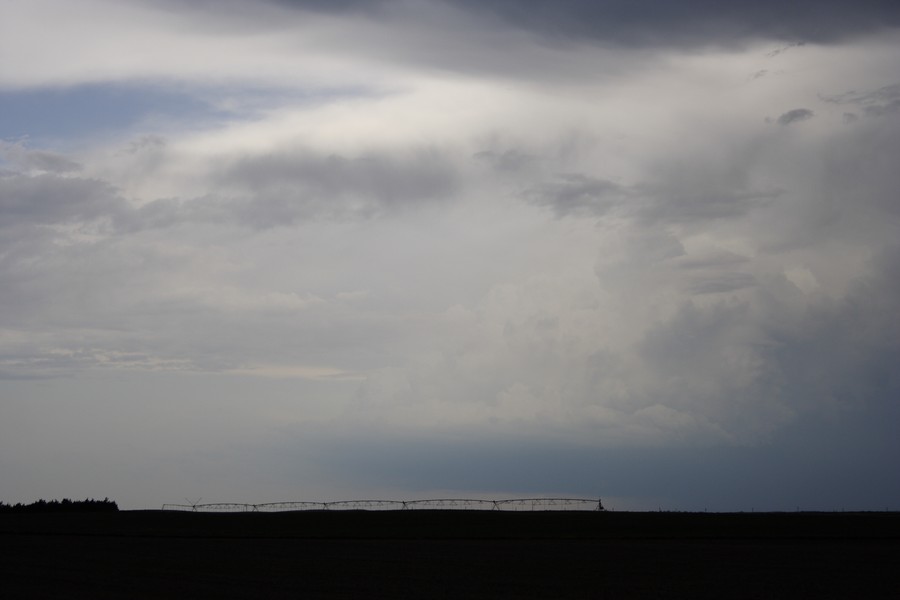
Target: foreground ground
x=450 y=554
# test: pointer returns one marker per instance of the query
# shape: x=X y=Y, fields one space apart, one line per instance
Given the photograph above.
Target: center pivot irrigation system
x=512 y=504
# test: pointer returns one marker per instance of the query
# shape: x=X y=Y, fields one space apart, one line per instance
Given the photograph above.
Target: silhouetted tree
x=66 y=505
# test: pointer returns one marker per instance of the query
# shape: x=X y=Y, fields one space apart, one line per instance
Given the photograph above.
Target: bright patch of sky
x=70 y=116
x=45 y=115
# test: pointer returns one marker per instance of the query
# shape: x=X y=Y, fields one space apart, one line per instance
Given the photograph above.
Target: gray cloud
x=684 y=198
x=147 y=143
x=753 y=366
x=617 y=282
x=657 y=22
x=38 y=160
x=853 y=200
x=50 y=199
x=285 y=187
x=844 y=354
x=103 y=284
x=510 y=160
x=331 y=5
x=714 y=260
x=680 y=203
x=576 y=194
x=795 y=116
x=876 y=103
x=783 y=49
x=278 y=189
x=722 y=283
x=651 y=22
x=49 y=161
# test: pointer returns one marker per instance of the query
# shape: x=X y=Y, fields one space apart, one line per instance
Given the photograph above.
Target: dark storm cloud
x=795 y=116
x=640 y=21
x=649 y=22
x=824 y=465
x=324 y=6
x=331 y=5
x=657 y=22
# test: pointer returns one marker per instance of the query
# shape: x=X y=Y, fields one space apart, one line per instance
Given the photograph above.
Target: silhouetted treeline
x=65 y=505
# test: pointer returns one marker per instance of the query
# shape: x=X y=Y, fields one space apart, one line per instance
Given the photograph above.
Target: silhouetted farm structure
x=510 y=504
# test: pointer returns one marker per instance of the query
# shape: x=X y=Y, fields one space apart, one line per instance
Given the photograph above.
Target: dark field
x=450 y=554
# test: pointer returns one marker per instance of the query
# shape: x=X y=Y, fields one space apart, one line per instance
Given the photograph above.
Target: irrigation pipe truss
x=512 y=504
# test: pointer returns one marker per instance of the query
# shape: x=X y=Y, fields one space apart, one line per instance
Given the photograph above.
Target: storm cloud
x=307 y=250
x=648 y=22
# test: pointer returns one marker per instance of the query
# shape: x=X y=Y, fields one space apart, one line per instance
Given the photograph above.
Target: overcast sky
x=257 y=251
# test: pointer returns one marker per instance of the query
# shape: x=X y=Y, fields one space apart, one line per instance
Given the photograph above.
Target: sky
x=284 y=250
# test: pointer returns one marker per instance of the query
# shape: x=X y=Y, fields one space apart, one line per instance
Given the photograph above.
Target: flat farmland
x=450 y=554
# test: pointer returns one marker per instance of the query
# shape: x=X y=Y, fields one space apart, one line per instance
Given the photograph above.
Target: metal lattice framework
x=288 y=506
x=511 y=504
x=452 y=504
